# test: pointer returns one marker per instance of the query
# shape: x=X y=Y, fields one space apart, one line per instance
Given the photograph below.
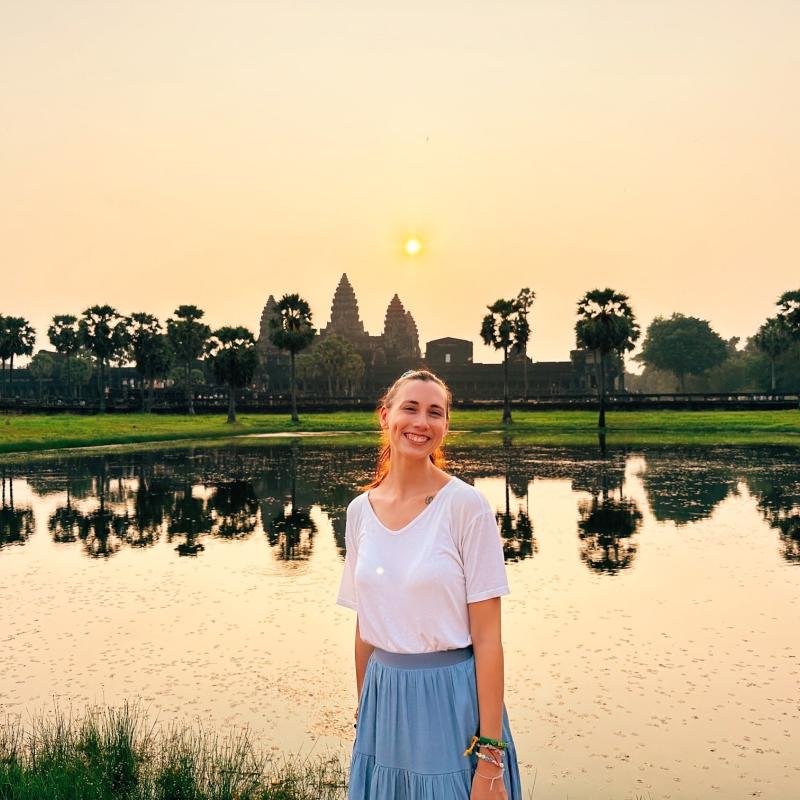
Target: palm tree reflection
x=606 y=529
x=65 y=522
x=292 y=534
x=780 y=507
x=191 y=519
x=516 y=530
x=235 y=509
x=16 y=524
x=151 y=503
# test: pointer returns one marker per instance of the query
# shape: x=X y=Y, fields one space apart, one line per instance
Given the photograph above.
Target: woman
x=424 y=571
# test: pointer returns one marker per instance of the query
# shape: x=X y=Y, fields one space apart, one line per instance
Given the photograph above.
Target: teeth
x=415 y=438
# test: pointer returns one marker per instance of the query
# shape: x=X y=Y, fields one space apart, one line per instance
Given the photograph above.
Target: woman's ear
x=382 y=412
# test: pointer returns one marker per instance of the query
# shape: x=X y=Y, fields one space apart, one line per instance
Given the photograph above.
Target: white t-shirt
x=411 y=587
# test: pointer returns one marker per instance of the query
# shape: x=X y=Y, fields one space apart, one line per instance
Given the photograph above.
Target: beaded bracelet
x=485 y=741
x=490 y=760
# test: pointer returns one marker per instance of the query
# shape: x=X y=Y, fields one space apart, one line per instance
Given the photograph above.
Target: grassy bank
x=116 y=754
x=27 y=433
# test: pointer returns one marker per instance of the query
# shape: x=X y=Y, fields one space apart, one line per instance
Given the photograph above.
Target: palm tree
x=290 y=329
x=5 y=352
x=151 y=352
x=63 y=335
x=234 y=361
x=525 y=300
x=504 y=327
x=103 y=332
x=605 y=324
x=789 y=309
x=789 y=312
x=773 y=339
x=188 y=338
x=18 y=339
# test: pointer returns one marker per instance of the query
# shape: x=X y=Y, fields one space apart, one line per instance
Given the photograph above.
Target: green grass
x=27 y=433
x=116 y=754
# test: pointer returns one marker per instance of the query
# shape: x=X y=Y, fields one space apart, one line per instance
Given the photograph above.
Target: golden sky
x=156 y=153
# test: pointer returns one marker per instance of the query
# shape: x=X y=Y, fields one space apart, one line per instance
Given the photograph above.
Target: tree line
x=606 y=328
x=102 y=337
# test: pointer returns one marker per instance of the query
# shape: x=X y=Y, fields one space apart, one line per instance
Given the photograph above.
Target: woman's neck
x=407 y=477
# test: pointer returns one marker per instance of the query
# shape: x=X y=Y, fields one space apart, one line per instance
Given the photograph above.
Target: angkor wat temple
x=397 y=349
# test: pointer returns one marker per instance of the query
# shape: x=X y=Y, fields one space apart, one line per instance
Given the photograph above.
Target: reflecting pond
x=651 y=634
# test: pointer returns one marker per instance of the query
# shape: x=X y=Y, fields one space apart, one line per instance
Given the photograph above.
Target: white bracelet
x=487 y=778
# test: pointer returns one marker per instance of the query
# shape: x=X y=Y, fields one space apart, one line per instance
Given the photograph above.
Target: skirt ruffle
x=413 y=727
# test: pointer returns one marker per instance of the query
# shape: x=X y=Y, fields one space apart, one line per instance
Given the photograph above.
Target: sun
x=413 y=247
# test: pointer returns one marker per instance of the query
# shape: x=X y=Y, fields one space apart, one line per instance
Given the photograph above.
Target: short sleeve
x=482 y=558
x=347 y=588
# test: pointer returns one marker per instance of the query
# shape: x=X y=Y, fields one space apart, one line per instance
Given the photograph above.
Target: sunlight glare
x=413 y=247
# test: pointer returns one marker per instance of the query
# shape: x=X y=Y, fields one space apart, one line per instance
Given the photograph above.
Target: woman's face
x=417 y=419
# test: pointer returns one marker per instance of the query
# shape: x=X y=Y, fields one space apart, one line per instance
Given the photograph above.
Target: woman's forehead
x=423 y=392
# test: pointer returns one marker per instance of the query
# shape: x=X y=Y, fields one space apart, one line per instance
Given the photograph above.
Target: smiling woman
x=424 y=571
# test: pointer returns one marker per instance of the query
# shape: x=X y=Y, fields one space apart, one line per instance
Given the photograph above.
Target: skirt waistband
x=441 y=658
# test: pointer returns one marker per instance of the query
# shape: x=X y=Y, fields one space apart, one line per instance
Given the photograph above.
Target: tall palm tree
x=789 y=311
x=63 y=335
x=5 y=353
x=606 y=324
x=234 y=361
x=773 y=339
x=103 y=332
x=19 y=338
x=505 y=328
x=188 y=337
x=290 y=329
x=524 y=301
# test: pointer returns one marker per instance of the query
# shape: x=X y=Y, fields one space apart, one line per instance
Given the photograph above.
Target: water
x=650 y=637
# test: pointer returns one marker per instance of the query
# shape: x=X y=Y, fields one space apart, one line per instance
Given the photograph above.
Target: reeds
x=115 y=754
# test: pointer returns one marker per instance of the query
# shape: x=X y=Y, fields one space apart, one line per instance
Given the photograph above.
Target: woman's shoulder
x=356 y=505
x=467 y=500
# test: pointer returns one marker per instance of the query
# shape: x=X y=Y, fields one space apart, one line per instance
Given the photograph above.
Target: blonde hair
x=385 y=450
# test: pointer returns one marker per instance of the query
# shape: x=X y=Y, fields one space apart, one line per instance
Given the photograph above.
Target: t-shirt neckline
x=415 y=519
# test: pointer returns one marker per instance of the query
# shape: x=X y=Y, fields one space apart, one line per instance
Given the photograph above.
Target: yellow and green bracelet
x=484 y=740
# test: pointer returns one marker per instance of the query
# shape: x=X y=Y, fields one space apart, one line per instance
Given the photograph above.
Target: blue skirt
x=416 y=716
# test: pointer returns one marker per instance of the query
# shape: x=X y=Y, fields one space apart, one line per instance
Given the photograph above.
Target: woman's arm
x=484 y=624
x=363 y=652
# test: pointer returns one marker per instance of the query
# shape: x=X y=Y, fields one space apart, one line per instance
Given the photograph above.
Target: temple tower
x=345 y=319
x=400 y=334
x=264 y=346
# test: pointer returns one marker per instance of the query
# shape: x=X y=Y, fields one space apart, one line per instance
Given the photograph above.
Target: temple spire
x=345 y=319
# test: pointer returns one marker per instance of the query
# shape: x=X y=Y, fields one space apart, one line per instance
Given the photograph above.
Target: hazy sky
x=160 y=153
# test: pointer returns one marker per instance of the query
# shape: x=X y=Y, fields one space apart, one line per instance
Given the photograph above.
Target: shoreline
x=43 y=434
